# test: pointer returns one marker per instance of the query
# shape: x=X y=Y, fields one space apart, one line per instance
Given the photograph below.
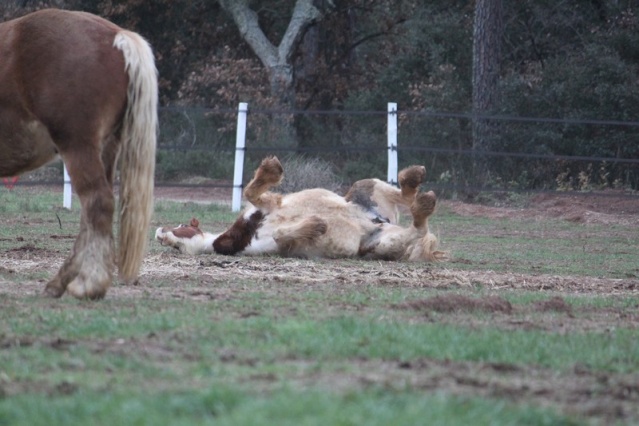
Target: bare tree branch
x=248 y=25
x=304 y=14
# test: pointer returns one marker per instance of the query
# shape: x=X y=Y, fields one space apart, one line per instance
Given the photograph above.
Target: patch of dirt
x=215 y=191
x=26 y=250
x=553 y=314
x=217 y=276
x=605 y=208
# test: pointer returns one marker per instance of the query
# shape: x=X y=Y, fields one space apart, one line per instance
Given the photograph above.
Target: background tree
x=559 y=59
x=487 y=42
x=277 y=60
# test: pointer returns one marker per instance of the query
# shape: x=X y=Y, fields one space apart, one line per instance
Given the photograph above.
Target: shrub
x=301 y=172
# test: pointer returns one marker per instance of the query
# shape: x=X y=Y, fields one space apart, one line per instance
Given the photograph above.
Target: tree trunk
x=487 y=41
x=277 y=60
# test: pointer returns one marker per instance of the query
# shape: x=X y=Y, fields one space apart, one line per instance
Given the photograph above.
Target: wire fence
x=527 y=154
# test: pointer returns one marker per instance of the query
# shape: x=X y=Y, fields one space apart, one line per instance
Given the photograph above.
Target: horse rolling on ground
x=320 y=223
x=75 y=85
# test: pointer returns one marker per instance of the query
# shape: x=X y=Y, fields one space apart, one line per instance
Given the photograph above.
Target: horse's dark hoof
x=52 y=291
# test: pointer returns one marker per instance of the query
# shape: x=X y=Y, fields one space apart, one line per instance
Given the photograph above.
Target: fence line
x=424 y=113
x=392 y=148
x=240 y=148
x=411 y=148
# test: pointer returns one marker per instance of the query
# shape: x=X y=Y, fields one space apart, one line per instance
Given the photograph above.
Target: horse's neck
x=200 y=244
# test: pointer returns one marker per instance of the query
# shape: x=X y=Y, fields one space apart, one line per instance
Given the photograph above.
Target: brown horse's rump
x=76 y=85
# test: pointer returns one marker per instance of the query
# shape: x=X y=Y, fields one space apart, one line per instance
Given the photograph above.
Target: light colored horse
x=75 y=85
x=320 y=223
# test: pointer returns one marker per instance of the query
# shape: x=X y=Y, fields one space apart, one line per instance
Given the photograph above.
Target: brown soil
x=216 y=191
x=604 y=208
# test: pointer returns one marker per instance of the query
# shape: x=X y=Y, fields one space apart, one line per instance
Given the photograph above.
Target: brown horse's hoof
x=411 y=177
x=82 y=289
x=53 y=290
x=422 y=208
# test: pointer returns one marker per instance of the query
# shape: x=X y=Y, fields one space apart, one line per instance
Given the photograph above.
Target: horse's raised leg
x=410 y=179
x=267 y=175
x=414 y=242
x=425 y=247
x=88 y=272
x=381 y=199
x=422 y=208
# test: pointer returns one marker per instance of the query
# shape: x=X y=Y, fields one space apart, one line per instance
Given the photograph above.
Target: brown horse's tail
x=137 y=155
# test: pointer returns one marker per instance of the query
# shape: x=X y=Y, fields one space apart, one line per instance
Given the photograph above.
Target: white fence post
x=240 y=144
x=67 y=196
x=392 y=143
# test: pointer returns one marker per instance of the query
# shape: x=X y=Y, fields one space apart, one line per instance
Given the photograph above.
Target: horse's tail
x=137 y=155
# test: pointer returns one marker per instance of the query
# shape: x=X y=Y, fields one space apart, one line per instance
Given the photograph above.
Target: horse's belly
x=24 y=146
x=346 y=223
x=342 y=239
x=262 y=242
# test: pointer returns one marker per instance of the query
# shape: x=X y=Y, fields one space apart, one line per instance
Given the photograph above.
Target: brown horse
x=320 y=223
x=77 y=86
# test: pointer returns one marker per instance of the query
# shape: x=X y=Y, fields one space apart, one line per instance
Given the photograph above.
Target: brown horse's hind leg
x=415 y=242
x=294 y=239
x=422 y=208
x=268 y=175
x=88 y=272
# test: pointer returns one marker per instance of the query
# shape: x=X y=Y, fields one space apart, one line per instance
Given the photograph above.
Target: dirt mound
x=554 y=304
x=26 y=250
x=458 y=303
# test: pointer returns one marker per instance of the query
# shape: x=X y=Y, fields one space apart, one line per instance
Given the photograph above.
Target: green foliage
x=561 y=59
x=190 y=144
x=593 y=84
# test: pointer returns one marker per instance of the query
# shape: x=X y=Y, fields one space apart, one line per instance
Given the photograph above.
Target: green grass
x=331 y=338
x=230 y=406
x=550 y=246
x=171 y=213
x=20 y=200
x=277 y=353
x=195 y=385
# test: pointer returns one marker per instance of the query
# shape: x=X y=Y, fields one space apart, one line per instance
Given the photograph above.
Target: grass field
x=533 y=321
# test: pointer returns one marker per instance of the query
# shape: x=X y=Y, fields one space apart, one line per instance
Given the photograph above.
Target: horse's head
x=186 y=238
